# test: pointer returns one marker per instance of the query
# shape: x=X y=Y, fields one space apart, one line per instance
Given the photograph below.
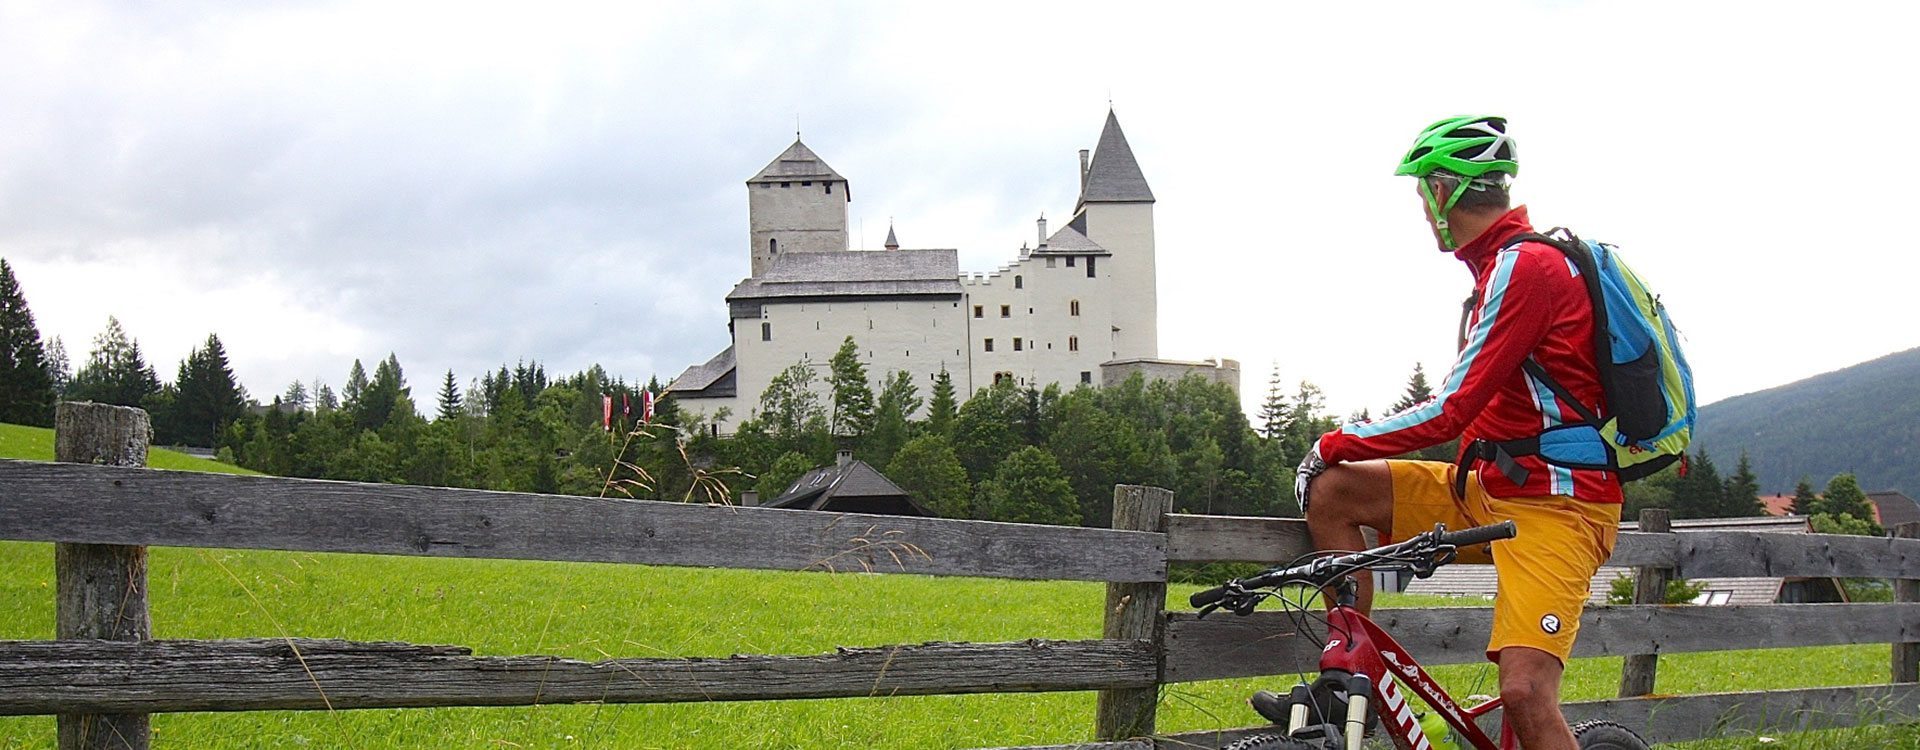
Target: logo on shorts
x=1550 y=623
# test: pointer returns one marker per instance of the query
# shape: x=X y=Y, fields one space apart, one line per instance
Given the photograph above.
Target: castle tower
x=1116 y=211
x=796 y=204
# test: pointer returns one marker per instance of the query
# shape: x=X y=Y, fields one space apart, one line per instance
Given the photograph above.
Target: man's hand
x=1310 y=467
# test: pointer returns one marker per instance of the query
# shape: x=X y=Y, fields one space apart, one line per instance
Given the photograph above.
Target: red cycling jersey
x=1532 y=302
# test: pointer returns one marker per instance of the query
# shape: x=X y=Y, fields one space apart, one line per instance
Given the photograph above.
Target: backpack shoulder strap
x=1576 y=251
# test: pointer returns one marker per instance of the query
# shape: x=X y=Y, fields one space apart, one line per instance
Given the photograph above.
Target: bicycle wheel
x=1606 y=735
x=1269 y=742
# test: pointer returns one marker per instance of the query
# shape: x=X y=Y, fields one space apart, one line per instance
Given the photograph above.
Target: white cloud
x=469 y=184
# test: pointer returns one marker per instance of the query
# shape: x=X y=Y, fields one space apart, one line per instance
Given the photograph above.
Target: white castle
x=1081 y=307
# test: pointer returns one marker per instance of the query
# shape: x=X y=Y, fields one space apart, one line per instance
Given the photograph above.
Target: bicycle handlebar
x=1313 y=571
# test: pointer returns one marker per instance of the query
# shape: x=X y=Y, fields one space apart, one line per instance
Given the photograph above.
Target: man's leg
x=1530 y=691
x=1345 y=498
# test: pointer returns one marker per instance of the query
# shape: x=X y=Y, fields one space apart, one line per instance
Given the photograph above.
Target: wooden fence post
x=1135 y=611
x=1649 y=587
x=101 y=588
x=1906 y=656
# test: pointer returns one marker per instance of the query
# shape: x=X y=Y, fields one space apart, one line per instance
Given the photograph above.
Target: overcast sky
x=467 y=184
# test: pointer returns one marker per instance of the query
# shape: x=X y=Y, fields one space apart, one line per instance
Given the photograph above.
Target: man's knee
x=1529 y=678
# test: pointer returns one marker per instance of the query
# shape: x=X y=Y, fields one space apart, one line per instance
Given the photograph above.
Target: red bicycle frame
x=1358 y=646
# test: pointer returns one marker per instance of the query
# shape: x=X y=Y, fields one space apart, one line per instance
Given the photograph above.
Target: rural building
x=1079 y=306
x=1479 y=580
x=848 y=486
x=1892 y=508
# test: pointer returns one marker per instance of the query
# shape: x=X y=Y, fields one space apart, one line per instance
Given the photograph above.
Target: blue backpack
x=1649 y=415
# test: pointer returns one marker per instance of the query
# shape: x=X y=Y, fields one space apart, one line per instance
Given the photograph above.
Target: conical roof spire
x=1114 y=176
x=892 y=242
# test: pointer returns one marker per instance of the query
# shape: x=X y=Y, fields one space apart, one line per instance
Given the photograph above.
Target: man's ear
x=1441 y=189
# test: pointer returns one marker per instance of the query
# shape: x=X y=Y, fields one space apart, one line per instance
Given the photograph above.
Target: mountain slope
x=1864 y=419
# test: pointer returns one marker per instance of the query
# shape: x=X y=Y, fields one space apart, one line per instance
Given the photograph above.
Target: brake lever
x=1204 y=611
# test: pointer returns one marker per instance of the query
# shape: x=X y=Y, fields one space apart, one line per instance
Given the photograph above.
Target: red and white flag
x=626 y=406
x=646 y=406
x=606 y=412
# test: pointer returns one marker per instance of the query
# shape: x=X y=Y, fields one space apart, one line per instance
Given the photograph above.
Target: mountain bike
x=1362 y=669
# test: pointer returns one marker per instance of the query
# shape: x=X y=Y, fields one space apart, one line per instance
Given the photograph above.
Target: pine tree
x=59 y=370
x=1273 y=411
x=296 y=395
x=26 y=381
x=449 y=398
x=323 y=398
x=207 y=397
x=943 y=408
x=1417 y=391
x=899 y=398
x=355 y=390
x=852 y=393
x=1742 y=494
x=1803 y=498
x=1698 y=494
x=116 y=372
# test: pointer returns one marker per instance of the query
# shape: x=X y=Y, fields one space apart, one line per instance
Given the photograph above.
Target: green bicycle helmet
x=1474 y=150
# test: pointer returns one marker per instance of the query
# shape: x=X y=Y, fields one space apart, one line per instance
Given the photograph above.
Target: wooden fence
x=105 y=674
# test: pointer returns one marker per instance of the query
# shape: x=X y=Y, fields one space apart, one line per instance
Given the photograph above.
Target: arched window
x=1019 y=282
x=773 y=246
x=1073 y=308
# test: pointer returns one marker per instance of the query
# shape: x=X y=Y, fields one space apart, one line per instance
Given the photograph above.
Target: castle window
x=1070 y=261
x=808 y=183
x=766 y=331
x=1086 y=376
x=1019 y=282
x=829 y=188
x=989 y=343
x=1073 y=308
x=1090 y=260
x=998 y=377
x=1050 y=260
x=773 y=246
x=786 y=184
x=1016 y=344
x=979 y=311
x=1006 y=311
x=1073 y=343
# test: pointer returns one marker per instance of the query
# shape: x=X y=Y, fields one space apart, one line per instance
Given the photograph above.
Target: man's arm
x=1514 y=316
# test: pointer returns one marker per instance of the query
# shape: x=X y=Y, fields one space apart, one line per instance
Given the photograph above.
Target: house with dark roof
x=1892 y=508
x=848 y=486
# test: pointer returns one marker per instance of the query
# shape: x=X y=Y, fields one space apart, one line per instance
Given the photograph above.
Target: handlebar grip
x=1479 y=535
x=1210 y=596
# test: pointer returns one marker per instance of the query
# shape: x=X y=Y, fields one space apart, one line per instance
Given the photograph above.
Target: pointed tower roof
x=1114 y=176
x=799 y=163
x=893 y=243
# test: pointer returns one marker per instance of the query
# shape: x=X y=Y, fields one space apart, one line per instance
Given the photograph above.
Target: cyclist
x=1528 y=302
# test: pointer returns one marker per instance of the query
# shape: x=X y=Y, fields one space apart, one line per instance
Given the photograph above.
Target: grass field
x=593 y=611
x=36 y=444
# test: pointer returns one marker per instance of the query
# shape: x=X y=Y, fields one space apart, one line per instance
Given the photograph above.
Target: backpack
x=1648 y=385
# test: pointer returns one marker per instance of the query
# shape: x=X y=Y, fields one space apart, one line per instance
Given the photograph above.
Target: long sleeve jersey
x=1531 y=302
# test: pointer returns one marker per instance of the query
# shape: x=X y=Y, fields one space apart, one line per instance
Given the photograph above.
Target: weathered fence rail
x=1143 y=646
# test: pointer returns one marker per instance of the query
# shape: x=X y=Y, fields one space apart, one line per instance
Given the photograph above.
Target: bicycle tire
x=1606 y=735
x=1269 y=742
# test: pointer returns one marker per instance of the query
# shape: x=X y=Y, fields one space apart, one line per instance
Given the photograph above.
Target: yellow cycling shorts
x=1543 y=572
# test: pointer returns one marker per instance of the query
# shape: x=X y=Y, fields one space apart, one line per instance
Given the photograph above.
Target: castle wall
x=916 y=335
x=795 y=216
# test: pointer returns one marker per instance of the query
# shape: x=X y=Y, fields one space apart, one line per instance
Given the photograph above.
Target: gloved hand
x=1310 y=467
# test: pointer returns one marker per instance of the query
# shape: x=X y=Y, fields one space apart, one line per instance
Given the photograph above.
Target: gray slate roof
x=1069 y=241
x=1114 y=176
x=796 y=163
x=1894 y=508
x=857 y=480
x=855 y=273
x=700 y=377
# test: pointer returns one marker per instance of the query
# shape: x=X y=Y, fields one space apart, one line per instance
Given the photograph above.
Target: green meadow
x=591 y=611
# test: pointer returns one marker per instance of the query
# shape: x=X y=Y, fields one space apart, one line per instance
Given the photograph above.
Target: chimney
x=1083 y=170
x=749 y=498
x=1043 y=231
x=843 y=458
